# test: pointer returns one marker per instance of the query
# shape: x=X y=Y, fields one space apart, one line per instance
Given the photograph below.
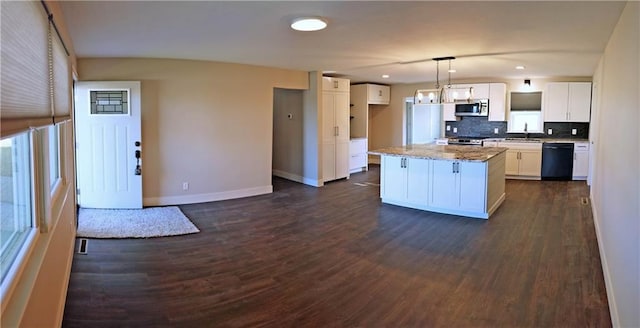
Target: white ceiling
x=364 y=39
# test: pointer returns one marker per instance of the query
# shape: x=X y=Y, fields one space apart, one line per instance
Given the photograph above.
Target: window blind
x=61 y=80
x=24 y=82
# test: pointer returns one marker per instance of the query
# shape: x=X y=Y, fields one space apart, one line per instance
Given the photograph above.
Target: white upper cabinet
x=481 y=91
x=461 y=92
x=579 y=106
x=497 y=101
x=449 y=112
x=567 y=102
x=378 y=94
x=335 y=84
x=556 y=98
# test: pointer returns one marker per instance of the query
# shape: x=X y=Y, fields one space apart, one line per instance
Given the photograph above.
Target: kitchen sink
x=523 y=139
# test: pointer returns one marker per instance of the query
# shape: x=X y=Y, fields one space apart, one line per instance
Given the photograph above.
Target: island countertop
x=446 y=152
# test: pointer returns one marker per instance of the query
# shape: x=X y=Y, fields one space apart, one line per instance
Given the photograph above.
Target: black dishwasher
x=557 y=161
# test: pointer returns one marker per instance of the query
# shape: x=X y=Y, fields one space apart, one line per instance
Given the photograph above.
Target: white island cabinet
x=459 y=180
x=405 y=179
x=459 y=185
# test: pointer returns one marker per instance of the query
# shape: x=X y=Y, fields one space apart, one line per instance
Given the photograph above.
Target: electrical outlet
x=549 y=131
x=495 y=130
x=455 y=130
x=185 y=186
x=574 y=131
x=448 y=127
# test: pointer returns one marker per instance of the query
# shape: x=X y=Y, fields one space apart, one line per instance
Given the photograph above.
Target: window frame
x=511 y=128
x=57 y=179
x=9 y=282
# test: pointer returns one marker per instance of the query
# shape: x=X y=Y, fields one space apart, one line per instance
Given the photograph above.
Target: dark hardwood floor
x=336 y=257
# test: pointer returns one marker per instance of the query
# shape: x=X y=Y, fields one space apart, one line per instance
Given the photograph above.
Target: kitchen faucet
x=526 y=133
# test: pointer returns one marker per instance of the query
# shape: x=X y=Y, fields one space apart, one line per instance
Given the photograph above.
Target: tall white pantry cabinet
x=335 y=128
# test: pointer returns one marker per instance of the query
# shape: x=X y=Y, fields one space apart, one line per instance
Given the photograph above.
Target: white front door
x=108 y=144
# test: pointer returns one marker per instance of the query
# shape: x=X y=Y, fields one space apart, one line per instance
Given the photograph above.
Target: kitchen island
x=460 y=180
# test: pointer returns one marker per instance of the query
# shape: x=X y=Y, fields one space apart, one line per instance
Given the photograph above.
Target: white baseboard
x=613 y=307
x=288 y=176
x=296 y=178
x=211 y=197
x=313 y=182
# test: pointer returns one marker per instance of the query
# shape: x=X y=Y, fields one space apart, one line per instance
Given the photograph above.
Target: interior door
x=108 y=144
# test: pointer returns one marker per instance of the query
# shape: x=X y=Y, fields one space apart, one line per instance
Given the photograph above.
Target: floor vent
x=584 y=201
x=82 y=248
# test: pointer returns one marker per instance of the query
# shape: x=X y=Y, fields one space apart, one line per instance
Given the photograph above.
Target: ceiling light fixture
x=519 y=67
x=308 y=24
x=385 y=76
x=435 y=95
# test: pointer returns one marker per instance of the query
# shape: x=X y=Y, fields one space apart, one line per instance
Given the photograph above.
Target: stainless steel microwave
x=475 y=108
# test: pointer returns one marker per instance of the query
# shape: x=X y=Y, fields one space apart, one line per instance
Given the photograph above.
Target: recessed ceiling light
x=307 y=24
x=385 y=76
x=452 y=71
x=519 y=67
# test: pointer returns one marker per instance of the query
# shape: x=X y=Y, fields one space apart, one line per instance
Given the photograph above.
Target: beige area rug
x=143 y=223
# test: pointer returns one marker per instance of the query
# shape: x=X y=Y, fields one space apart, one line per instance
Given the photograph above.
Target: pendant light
x=437 y=95
x=448 y=93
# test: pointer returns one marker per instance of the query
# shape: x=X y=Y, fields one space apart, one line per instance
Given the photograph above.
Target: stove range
x=470 y=141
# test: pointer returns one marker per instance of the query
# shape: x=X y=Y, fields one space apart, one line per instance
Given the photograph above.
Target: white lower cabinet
x=473 y=189
x=405 y=179
x=580 y=160
x=524 y=160
x=357 y=155
x=459 y=185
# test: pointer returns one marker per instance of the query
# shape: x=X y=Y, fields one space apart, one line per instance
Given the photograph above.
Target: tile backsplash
x=471 y=126
x=483 y=128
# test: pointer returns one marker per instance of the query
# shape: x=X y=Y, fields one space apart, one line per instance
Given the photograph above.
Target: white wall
x=311 y=139
x=287 y=134
x=615 y=189
x=206 y=123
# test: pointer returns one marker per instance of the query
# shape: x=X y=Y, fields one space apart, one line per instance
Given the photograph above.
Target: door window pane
x=16 y=215
x=109 y=102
